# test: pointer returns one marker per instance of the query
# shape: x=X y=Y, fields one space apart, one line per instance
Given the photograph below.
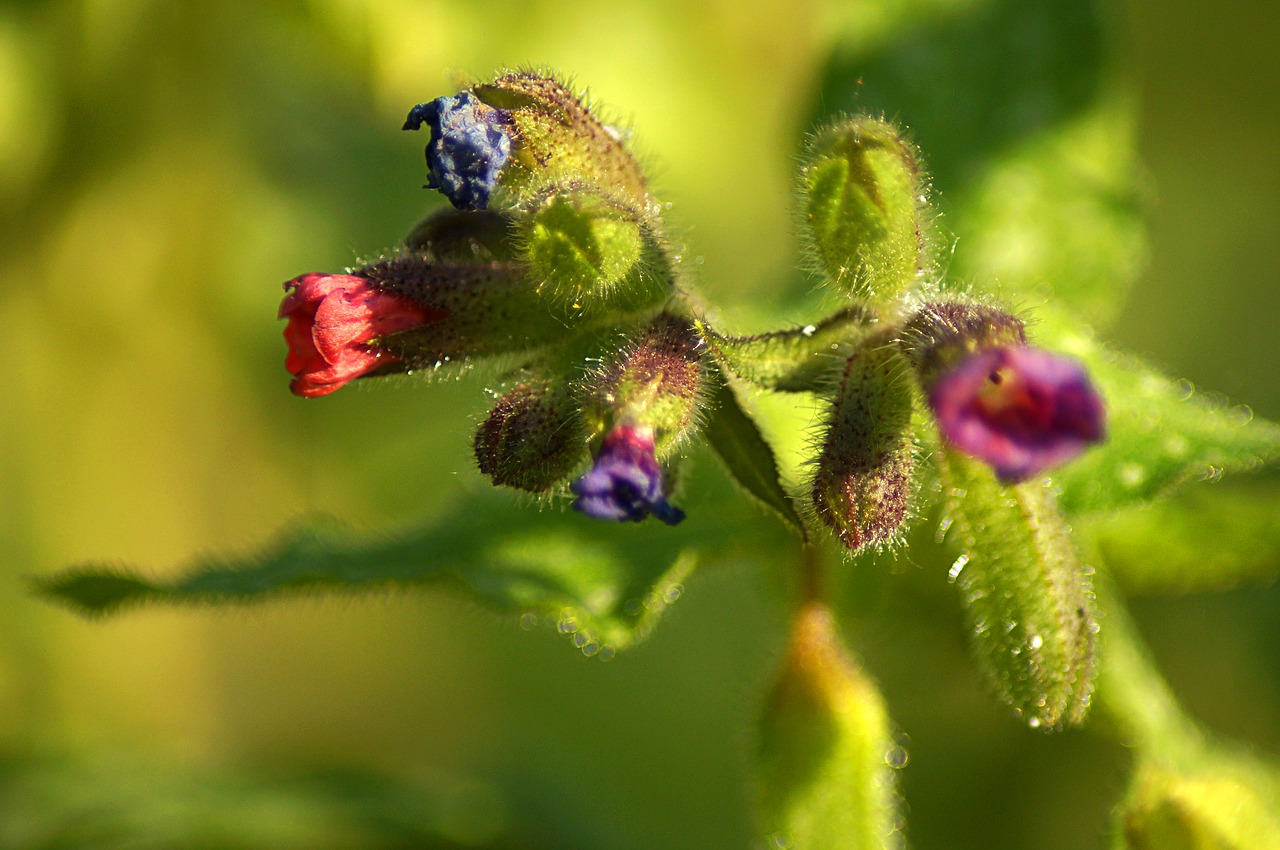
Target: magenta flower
x=625 y=482
x=1020 y=409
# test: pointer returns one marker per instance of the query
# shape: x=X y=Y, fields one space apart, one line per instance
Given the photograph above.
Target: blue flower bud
x=469 y=145
x=625 y=482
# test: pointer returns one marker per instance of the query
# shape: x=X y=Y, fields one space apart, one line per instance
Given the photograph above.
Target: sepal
x=534 y=437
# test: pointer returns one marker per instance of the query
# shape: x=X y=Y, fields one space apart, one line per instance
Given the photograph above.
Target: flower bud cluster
x=551 y=262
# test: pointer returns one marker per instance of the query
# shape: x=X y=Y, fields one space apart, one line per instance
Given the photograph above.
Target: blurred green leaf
x=826 y=754
x=737 y=441
x=1207 y=538
x=1160 y=432
x=603 y=583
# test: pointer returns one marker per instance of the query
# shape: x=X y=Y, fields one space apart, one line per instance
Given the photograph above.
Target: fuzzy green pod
x=826 y=756
x=1027 y=598
x=864 y=209
x=581 y=244
x=534 y=437
x=656 y=382
x=862 y=481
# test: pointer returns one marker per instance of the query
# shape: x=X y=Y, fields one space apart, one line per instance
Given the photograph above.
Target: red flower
x=335 y=321
x=1020 y=409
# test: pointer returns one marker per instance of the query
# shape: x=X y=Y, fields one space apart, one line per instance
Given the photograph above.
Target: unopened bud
x=534 y=437
x=862 y=484
x=827 y=755
x=581 y=244
x=863 y=207
x=655 y=383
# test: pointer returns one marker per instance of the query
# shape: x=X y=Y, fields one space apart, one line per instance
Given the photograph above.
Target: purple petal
x=625 y=483
x=1022 y=410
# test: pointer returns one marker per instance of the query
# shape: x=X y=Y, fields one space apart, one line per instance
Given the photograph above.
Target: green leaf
x=808 y=359
x=604 y=583
x=737 y=441
x=1026 y=597
x=1160 y=433
x=1204 y=539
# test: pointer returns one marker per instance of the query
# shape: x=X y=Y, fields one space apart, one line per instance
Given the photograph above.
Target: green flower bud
x=862 y=483
x=557 y=139
x=1027 y=597
x=534 y=437
x=863 y=208
x=580 y=244
x=826 y=755
x=656 y=383
x=1212 y=810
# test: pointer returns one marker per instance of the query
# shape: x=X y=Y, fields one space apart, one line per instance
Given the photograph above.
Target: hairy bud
x=862 y=484
x=863 y=208
x=533 y=438
x=656 y=383
x=580 y=243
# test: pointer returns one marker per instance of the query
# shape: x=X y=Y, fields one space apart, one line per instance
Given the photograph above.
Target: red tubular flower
x=335 y=321
x=1020 y=409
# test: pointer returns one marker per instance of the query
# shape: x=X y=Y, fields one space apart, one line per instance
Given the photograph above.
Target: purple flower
x=625 y=482
x=1020 y=409
x=469 y=145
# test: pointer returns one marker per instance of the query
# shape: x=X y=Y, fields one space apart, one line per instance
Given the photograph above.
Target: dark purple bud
x=469 y=145
x=625 y=482
x=1020 y=409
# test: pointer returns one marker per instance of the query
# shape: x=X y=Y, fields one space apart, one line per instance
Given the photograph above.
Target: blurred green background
x=165 y=166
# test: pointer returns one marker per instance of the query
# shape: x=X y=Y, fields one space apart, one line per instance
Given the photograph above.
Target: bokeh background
x=165 y=166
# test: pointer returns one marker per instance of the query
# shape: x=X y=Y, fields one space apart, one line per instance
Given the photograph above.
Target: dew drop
x=672 y=593
x=607 y=653
x=580 y=640
x=1036 y=641
x=943 y=527
x=528 y=621
x=1034 y=723
x=897 y=758
x=809 y=330
x=590 y=649
x=957 y=568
